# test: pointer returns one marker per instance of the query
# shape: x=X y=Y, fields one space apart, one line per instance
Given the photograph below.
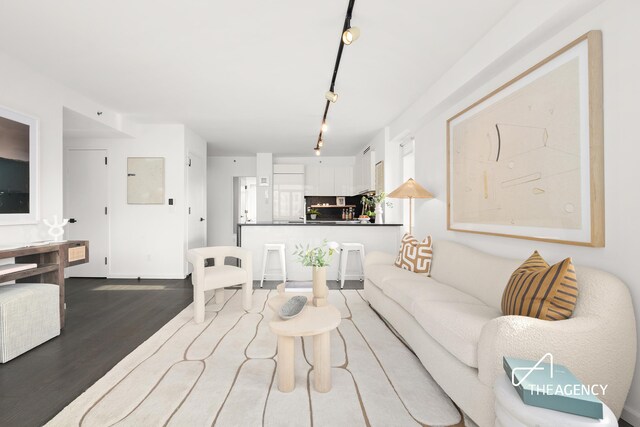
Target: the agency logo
x=564 y=382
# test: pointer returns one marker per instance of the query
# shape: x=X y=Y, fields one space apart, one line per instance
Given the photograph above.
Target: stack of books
x=553 y=386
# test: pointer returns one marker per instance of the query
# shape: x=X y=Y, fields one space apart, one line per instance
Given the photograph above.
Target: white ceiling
x=76 y=125
x=248 y=75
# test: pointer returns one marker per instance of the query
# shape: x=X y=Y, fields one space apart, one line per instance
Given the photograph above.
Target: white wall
x=314 y=160
x=264 y=193
x=28 y=92
x=533 y=31
x=220 y=173
x=196 y=145
x=146 y=240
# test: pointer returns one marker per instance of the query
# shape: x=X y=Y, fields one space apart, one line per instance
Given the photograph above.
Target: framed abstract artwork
x=145 y=180
x=526 y=161
x=18 y=168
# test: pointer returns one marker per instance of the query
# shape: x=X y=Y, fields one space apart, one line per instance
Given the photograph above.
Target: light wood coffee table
x=316 y=322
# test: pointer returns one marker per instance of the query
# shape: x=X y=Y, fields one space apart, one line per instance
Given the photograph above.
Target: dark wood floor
x=106 y=320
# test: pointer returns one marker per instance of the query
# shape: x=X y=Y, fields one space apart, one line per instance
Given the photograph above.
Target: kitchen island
x=374 y=237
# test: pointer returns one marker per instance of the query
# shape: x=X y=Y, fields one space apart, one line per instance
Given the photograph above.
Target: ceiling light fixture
x=331 y=96
x=349 y=35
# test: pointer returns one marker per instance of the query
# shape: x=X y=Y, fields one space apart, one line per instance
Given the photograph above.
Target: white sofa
x=453 y=322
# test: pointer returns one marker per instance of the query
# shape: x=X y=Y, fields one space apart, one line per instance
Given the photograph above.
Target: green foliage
x=316 y=257
x=314 y=212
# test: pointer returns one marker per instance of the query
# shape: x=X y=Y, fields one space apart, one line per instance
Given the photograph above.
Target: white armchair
x=219 y=276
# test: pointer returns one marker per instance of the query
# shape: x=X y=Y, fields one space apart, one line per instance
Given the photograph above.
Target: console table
x=51 y=260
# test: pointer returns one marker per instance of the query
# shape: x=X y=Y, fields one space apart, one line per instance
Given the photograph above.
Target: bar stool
x=274 y=247
x=345 y=248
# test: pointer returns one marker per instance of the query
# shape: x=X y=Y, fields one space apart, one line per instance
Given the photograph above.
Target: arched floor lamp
x=410 y=190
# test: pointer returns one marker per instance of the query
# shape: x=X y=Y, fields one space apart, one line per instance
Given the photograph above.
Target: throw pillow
x=415 y=255
x=538 y=290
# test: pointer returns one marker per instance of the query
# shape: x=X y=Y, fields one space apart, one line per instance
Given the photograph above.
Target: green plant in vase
x=314 y=213
x=318 y=258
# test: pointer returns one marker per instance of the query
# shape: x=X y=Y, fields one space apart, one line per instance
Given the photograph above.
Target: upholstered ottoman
x=29 y=316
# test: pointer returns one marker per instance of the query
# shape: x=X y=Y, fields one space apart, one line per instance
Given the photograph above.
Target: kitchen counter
x=374 y=237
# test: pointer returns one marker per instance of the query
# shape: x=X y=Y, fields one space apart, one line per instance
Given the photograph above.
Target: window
x=408 y=168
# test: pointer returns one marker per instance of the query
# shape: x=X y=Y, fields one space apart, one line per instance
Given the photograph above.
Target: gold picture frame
x=518 y=195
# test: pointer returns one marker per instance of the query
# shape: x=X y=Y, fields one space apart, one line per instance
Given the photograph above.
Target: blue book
x=552 y=386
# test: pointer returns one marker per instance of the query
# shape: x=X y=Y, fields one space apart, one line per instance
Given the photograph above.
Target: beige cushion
x=379 y=274
x=476 y=273
x=456 y=326
x=408 y=292
x=224 y=275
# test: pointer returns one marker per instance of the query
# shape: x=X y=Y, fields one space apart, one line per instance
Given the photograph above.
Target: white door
x=86 y=206
x=196 y=179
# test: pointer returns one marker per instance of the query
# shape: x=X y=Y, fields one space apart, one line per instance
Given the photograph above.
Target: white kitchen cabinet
x=343 y=181
x=323 y=180
x=364 y=172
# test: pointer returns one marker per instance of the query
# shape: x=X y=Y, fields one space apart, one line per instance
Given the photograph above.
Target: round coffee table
x=316 y=322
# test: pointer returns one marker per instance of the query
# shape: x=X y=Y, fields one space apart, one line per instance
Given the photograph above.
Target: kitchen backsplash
x=333 y=213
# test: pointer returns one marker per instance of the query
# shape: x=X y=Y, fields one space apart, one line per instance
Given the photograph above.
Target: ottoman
x=29 y=316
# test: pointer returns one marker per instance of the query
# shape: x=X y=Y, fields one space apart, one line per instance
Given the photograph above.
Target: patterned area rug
x=222 y=372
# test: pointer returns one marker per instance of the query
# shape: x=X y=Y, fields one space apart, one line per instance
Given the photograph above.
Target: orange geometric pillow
x=414 y=255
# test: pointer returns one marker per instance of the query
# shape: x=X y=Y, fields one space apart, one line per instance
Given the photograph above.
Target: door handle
x=72 y=220
x=201 y=219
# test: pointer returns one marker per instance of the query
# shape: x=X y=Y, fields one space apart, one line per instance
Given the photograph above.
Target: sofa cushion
x=473 y=272
x=408 y=292
x=379 y=274
x=537 y=290
x=414 y=255
x=224 y=275
x=456 y=326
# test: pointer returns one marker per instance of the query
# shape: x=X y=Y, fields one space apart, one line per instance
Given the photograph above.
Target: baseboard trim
x=631 y=416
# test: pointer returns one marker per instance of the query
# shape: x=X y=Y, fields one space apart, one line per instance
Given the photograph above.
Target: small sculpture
x=55 y=229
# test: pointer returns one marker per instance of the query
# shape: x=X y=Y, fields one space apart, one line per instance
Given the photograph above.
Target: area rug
x=222 y=372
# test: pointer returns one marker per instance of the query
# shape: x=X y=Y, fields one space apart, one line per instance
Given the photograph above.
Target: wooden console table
x=51 y=260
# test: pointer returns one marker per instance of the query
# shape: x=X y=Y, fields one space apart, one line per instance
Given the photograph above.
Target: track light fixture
x=349 y=35
x=331 y=96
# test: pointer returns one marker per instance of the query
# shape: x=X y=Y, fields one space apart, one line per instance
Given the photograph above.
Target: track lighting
x=350 y=35
x=331 y=96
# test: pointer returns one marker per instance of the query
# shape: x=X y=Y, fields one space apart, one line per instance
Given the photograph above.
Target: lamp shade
x=410 y=190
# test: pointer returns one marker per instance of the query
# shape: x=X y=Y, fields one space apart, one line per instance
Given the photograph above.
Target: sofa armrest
x=376 y=258
x=596 y=350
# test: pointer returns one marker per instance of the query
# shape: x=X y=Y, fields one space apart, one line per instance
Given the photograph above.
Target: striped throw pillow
x=414 y=255
x=538 y=290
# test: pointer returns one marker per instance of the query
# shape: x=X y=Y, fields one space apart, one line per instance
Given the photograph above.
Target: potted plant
x=318 y=258
x=314 y=213
x=372 y=206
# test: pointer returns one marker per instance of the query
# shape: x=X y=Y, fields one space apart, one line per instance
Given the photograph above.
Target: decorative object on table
x=556 y=295
x=545 y=385
x=410 y=190
x=55 y=228
x=318 y=258
x=341 y=201
x=414 y=255
x=314 y=213
x=145 y=180
x=293 y=307
x=379 y=201
x=18 y=168
x=526 y=160
x=364 y=219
